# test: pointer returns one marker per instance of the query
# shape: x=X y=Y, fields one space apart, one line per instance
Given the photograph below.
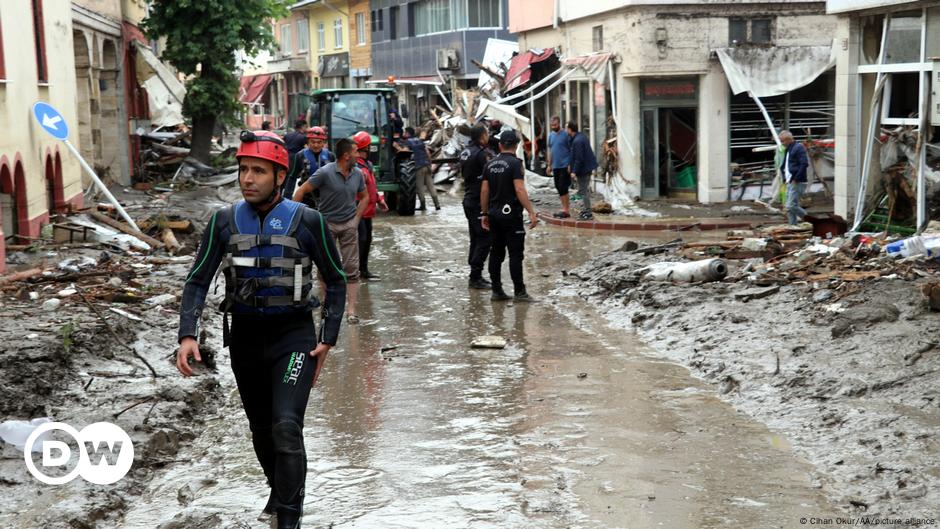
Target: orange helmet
x=263 y=144
x=362 y=139
x=316 y=133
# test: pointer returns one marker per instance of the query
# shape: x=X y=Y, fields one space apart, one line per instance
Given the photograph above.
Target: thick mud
x=575 y=423
x=849 y=377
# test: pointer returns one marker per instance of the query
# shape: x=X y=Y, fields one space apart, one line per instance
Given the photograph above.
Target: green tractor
x=346 y=111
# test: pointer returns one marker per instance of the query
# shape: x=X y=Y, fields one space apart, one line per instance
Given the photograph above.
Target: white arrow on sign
x=50 y=122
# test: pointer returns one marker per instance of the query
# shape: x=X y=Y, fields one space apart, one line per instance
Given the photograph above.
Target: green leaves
x=201 y=40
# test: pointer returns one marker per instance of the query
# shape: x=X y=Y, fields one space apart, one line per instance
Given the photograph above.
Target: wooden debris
x=124 y=228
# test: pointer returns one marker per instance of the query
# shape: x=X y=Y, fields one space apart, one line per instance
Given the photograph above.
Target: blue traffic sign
x=51 y=120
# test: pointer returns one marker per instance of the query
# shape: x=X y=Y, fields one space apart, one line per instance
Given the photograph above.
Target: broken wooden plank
x=124 y=228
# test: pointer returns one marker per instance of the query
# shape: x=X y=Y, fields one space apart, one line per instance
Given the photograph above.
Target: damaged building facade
x=887 y=94
x=681 y=128
x=37 y=174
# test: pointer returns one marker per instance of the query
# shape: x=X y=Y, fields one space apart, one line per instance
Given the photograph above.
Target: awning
x=251 y=88
x=505 y=113
x=165 y=92
x=594 y=64
x=766 y=72
x=520 y=69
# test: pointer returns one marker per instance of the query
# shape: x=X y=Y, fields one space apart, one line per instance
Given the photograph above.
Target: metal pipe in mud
x=706 y=270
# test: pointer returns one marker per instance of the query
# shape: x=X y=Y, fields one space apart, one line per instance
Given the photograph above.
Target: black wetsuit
x=270 y=352
x=472 y=161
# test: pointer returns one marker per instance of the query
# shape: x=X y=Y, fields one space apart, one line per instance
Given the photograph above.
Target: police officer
x=307 y=161
x=504 y=196
x=472 y=161
x=269 y=246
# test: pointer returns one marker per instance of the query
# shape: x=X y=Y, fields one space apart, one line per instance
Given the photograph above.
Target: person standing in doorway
x=363 y=141
x=793 y=168
x=473 y=160
x=583 y=164
x=559 y=158
x=269 y=246
x=504 y=196
x=343 y=200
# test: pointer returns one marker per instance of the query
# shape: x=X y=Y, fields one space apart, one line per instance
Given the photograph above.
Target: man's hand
x=383 y=206
x=533 y=219
x=485 y=221
x=320 y=353
x=188 y=347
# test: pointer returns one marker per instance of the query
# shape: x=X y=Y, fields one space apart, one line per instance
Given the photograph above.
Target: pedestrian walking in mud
x=363 y=140
x=559 y=158
x=473 y=160
x=793 y=168
x=504 y=196
x=269 y=246
x=343 y=200
x=307 y=161
x=583 y=163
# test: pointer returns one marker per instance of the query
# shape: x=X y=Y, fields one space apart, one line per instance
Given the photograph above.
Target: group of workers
x=269 y=247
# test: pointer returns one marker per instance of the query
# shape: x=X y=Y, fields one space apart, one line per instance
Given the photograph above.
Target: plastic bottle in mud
x=929 y=246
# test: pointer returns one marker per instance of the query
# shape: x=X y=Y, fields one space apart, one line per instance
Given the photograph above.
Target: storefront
x=333 y=70
x=668 y=135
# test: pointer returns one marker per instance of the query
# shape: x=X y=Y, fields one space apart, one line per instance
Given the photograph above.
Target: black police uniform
x=472 y=162
x=506 y=225
x=268 y=259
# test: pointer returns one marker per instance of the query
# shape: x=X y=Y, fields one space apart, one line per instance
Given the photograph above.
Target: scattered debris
x=488 y=342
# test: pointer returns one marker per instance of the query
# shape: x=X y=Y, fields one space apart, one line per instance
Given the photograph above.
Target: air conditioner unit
x=447 y=59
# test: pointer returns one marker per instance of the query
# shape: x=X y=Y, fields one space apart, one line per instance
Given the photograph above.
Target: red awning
x=252 y=88
x=520 y=68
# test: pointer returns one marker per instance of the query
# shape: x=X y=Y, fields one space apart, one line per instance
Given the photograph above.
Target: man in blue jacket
x=793 y=169
x=583 y=163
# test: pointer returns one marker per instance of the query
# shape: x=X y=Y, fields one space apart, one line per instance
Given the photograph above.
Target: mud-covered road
x=574 y=424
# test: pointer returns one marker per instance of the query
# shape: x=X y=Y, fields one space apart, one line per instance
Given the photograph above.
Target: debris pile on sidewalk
x=829 y=341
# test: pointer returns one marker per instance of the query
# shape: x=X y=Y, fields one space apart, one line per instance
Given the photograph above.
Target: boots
x=499 y=295
x=479 y=284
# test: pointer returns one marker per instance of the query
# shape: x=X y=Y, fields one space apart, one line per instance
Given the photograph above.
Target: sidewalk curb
x=600 y=225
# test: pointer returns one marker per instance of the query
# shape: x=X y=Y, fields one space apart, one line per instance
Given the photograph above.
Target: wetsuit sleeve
x=200 y=276
x=324 y=254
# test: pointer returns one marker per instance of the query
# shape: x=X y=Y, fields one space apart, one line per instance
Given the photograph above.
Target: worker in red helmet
x=306 y=162
x=363 y=141
x=269 y=246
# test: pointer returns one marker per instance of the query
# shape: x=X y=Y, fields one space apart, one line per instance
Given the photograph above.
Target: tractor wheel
x=407 y=187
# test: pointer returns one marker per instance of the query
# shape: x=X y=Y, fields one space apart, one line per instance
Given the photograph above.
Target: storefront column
x=628 y=108
x=713 y=171
x=847 y=120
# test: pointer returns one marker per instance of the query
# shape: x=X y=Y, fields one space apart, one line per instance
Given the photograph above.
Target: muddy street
x=573 y=424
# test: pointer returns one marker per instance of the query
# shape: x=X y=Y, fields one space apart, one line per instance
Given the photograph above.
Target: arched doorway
x=49 y=175
x=83 y=95
x=60 y=204
x=7 y=202
x=20 y=209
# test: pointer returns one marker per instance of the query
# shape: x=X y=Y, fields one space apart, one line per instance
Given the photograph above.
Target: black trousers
x=508 y=235
x=480 y=240
x=365 y=244
x=274 y=373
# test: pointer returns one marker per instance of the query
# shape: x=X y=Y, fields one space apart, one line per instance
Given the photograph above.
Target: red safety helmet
x=316 y=133
x=263 y=144
x=362 y=139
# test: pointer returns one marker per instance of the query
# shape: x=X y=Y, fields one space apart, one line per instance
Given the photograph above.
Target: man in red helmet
x=269 y=246
x=307 y=161
x=363 y=141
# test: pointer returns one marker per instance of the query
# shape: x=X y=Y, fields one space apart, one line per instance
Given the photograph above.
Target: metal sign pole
x=100 y=184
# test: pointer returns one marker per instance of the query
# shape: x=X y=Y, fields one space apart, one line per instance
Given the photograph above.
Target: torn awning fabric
x=594 y=64
x=767 y=72
x=520 y=68
x=251 y=88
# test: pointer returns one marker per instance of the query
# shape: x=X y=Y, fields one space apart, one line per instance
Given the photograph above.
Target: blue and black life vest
x=266 y=270
x=316 y=162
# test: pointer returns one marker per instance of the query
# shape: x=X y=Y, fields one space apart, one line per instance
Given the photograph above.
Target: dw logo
x=105 y=453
